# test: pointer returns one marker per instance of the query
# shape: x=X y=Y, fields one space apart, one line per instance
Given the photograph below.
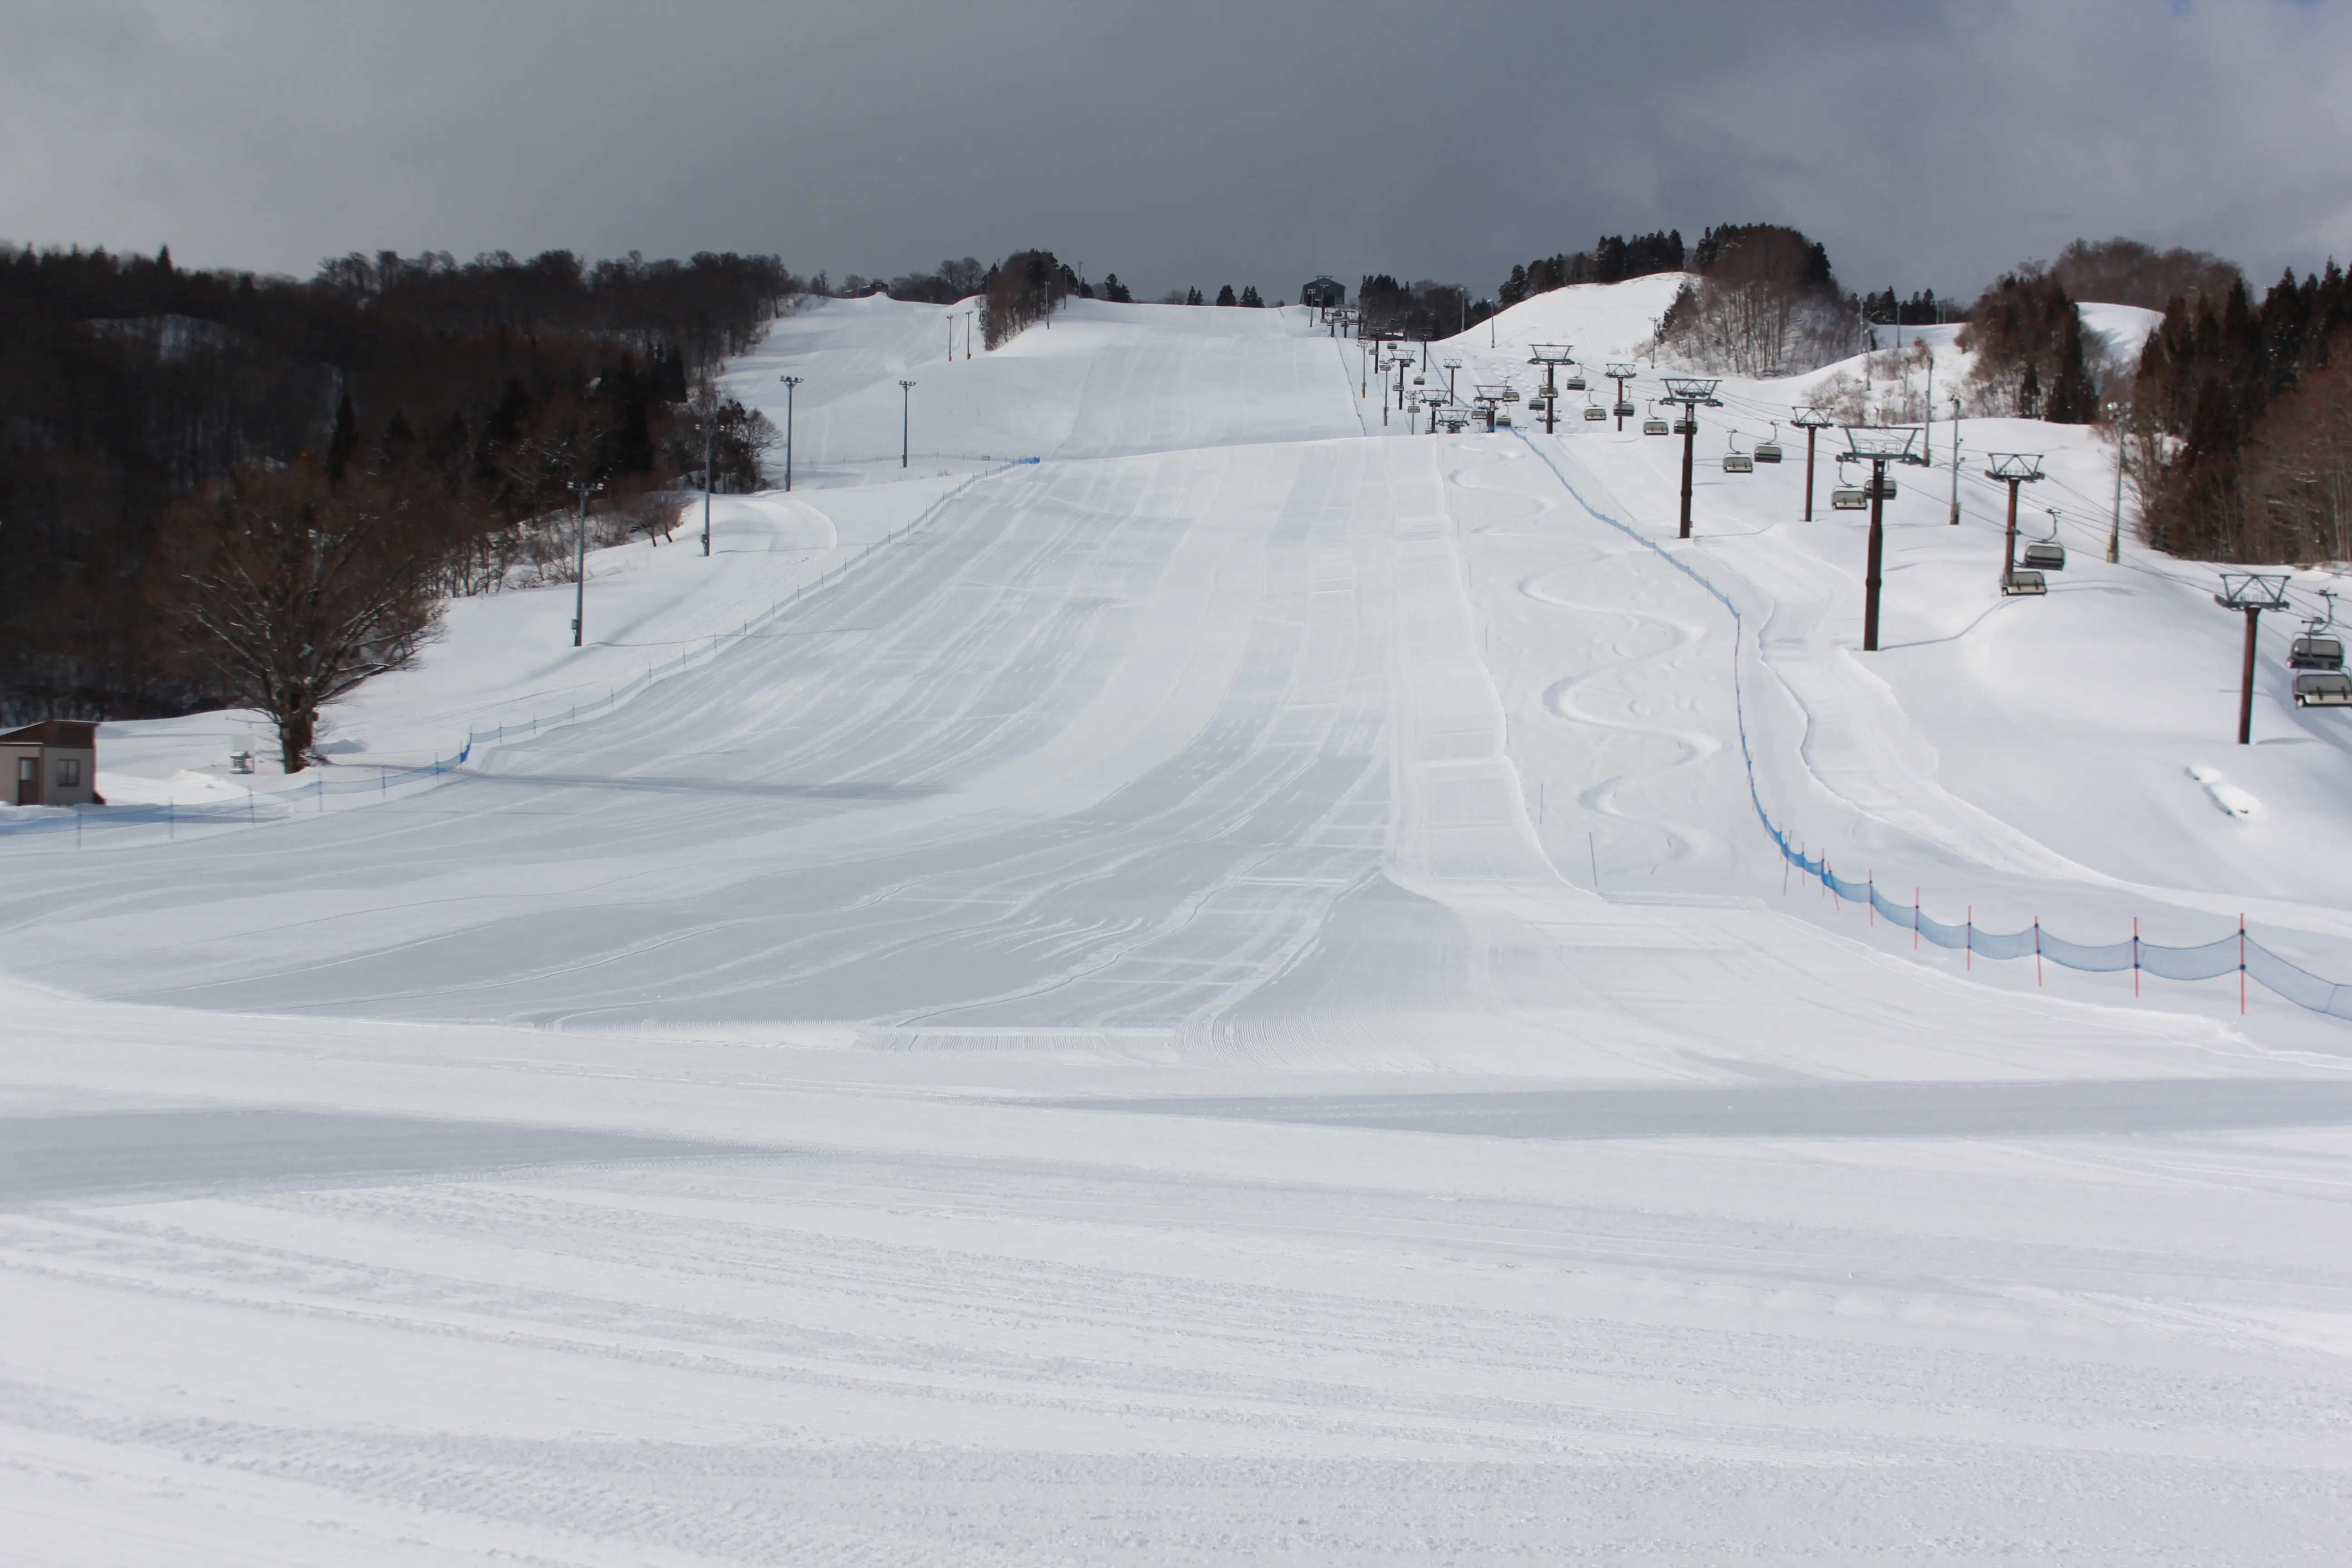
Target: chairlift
x=1736 y=461
x=2322 y=689
x=1653 y=424
x=1686 y=426
x=2046 y=555
x=1846 y=497
x=1575 y=383
x=1624 y=410
x=1502 y=420
x=1594 y=411
x=2312 y=651
x=2022 y=583
x=1770 y=451
x=1885 y=483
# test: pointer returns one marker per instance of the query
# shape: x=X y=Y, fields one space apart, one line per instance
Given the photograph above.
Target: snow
x=1224 y=997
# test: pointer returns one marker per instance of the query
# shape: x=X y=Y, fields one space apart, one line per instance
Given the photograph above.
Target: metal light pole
x=1956 y=463
x=2116 y=414
x=1693 y=392
x=906 y=416
x=1810 y=421
x=582 y=489
x=790 y=382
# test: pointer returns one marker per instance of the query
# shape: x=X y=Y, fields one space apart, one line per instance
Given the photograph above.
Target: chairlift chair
x=2022 y=583
x=1653 y=426
x=2046 y=555
x=1736 y=461
x=2322 y=689
x=2308 y=652
x=1624 y=410
x=1575 y=383
x=1769 y=451
x=1846 y=497
x=1594 y=411
x=1686 y=426
x=2312 y=651
x=1886 y=485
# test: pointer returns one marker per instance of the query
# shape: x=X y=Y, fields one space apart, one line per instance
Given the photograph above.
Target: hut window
x=70 y=773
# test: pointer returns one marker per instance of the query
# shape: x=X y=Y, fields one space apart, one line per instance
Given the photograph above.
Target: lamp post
x=709 y=440
x=906 y=417
x=582 y=489
x=1693 y=392
x=2117 y=413
x=1955 y=518
x=1878 y=446
x=790 y=382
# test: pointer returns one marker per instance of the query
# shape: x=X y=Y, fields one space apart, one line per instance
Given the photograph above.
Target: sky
x=1927 y=145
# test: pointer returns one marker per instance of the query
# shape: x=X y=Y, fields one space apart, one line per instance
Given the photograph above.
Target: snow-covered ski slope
x=1223 y=997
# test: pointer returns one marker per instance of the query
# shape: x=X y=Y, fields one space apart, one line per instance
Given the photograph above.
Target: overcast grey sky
x=1927 y=143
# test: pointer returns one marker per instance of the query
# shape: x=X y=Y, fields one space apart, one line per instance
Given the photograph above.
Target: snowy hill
x=1229 y=986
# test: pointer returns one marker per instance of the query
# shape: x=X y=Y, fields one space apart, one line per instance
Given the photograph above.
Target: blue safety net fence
x=2236 y=953
x=281 y=805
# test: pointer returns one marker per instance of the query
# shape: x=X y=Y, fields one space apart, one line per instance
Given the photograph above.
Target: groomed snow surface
x=1222 y=998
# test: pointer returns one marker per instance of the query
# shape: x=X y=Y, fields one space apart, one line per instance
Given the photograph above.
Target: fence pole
x=1915 y=919
x=2135 y=955
x=2037 y=952
x=2241 y=941
x=1971 y=962
x=1873 y=879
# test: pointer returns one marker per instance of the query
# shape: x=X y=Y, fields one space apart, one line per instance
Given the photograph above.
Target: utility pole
x=2117 y=413
x=1620 y=374
x=790 y=382
x=2013 y=468
x=582 y=489
x=2253 y=591
x=1956 y=462
x=1693 y=392
x=1877 y=446
x=1810 y=421
x=906 y=408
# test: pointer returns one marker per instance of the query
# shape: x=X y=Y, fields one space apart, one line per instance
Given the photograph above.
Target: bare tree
x=292 y=593
x=1767 y=306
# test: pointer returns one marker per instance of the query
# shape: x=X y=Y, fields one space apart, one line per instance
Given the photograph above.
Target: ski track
x=1045 y=1061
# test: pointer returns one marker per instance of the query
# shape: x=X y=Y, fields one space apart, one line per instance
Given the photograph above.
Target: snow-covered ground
x=1224 y=999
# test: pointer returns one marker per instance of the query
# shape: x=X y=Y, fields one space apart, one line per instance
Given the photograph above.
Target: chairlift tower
x=2012 y=468
x=1877 y=444
x=1620 y=374
x=1449 y=366
x=1694 y=392
x=2253 y=591
x=1551 y=356
x=1489 y=400
x=1811 y=421
x=906 y=417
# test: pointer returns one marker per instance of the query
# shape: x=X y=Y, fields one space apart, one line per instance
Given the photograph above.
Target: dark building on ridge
x=1324 y=293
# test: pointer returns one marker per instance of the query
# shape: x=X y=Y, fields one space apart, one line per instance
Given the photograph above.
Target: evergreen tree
x=1226 y=295
x=1192 y=296
x=1249 y=296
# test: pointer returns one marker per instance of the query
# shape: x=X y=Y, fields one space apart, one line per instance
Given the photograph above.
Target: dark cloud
x=1929 y=144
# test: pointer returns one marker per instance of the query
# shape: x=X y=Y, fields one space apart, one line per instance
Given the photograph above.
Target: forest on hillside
x=142 y=403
